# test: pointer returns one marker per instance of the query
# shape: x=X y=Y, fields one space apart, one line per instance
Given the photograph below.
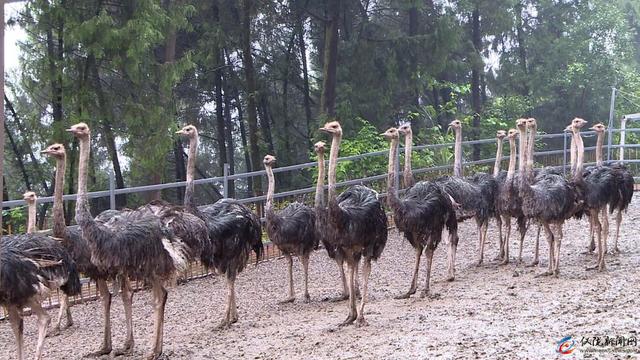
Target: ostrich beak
x=69 y=130
x=180 y=132
x=45 y=152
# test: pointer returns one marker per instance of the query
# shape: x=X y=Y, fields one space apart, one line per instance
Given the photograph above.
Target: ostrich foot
x=405 y=295
x=479 y=263
x=287 y=300
x=599 y=267
x=104 y=350
x=360 y=322
x=125 y=350
x=534 y=263
x=588 y=251
x=428 y=294
x=350 y=319
x=337 y=299
x=546 y=273
x=306 y=299
x=616 y=251
x=153 y=356
x=450 y=278
x=505 y=261
x=54 y=332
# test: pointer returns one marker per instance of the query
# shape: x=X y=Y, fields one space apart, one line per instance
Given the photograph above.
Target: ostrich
x=31 y=198
x=233 y=231
x=31 y=266
x=132 y=243
x=508 y=202
x=500 y=177
x=624 y=184
x=475 y=195
x=421 y=214
x=356 y=226
x=78 y=247
x=293 y=230
x=547 y=198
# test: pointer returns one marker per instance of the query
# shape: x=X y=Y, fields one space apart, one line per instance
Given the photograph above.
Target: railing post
x=112 y=190
x=225 y=181
x=623 y=126
x=397 y=172
x=564 y=154
x=612 y=113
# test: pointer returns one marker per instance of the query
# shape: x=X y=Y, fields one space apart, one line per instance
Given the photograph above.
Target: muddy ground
x=490 y=311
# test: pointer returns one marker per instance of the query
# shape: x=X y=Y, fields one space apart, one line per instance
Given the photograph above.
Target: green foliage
x=15 y=218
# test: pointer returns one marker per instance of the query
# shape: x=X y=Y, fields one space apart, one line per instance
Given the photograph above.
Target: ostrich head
x=189 y=131
x=80 y=130
x=332 y=127
x=269 y=160
x=391 y=133
x=455 y=125
x=501 y=134
x=531 y=123
x=55 y=150
x=521 y=124
x=405 y=129
x=578 y=123
x=512 y=134
x=319 y=147
x=598 y=128
x=30 y=197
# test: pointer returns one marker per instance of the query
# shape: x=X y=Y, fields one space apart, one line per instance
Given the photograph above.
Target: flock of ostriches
x=157 y=241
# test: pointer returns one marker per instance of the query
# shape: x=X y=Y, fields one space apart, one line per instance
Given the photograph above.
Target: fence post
x=564 y=154
x=112 y=190
x=225 y=181
x=623 y=126
x=611 y=117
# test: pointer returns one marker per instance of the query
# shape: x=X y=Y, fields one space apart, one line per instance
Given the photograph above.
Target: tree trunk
x=522 y=49
x=106 y=119
x=305 y=77
x=329 y=71
x=476 y=102
x=413 y=59
x=18 y=154
x=252 y=118
x=228 y=131
x=265 y=124
x=178 y=155
x=286 y=124
x=220 y=132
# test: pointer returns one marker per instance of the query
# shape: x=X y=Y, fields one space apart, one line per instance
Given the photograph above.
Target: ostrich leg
x=592 y=241
x=557 y=240
x=618 y=222
x=291 y=296
x=453 y=246
x=598 y=229
x=536 y=259
x=352 y=295
x=304 y=259
x=160 y=300
x=501 y=249
x=103 y=289
x=427 y=289
x=17 y=325
x=64 y=309
x=507 y=223
x=366 y=271
x=550 y=241
x=414 y=280
x=43 y=323
x=343 y=277
x=127 y=302
x=481 y=240
x=605 y=227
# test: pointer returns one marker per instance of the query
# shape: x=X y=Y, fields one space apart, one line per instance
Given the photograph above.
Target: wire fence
x=551 y=150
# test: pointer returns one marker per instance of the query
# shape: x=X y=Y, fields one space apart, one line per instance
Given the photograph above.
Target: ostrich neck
x=531 y=148
x=31 y=219
x=496 y=165
x=579 y=144
x=270 y=189
x=191 y=167
x=599 y=143
x=512 y=158
x=407 y=175
x=572 y=153
x=522 y=149
x=457 y=154
x=59 y=224
x=333 y=162
x=319 y=199
x=82 y=210
x=392 y=198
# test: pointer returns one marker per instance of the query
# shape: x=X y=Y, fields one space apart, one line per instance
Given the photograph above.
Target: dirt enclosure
x=490 y=311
